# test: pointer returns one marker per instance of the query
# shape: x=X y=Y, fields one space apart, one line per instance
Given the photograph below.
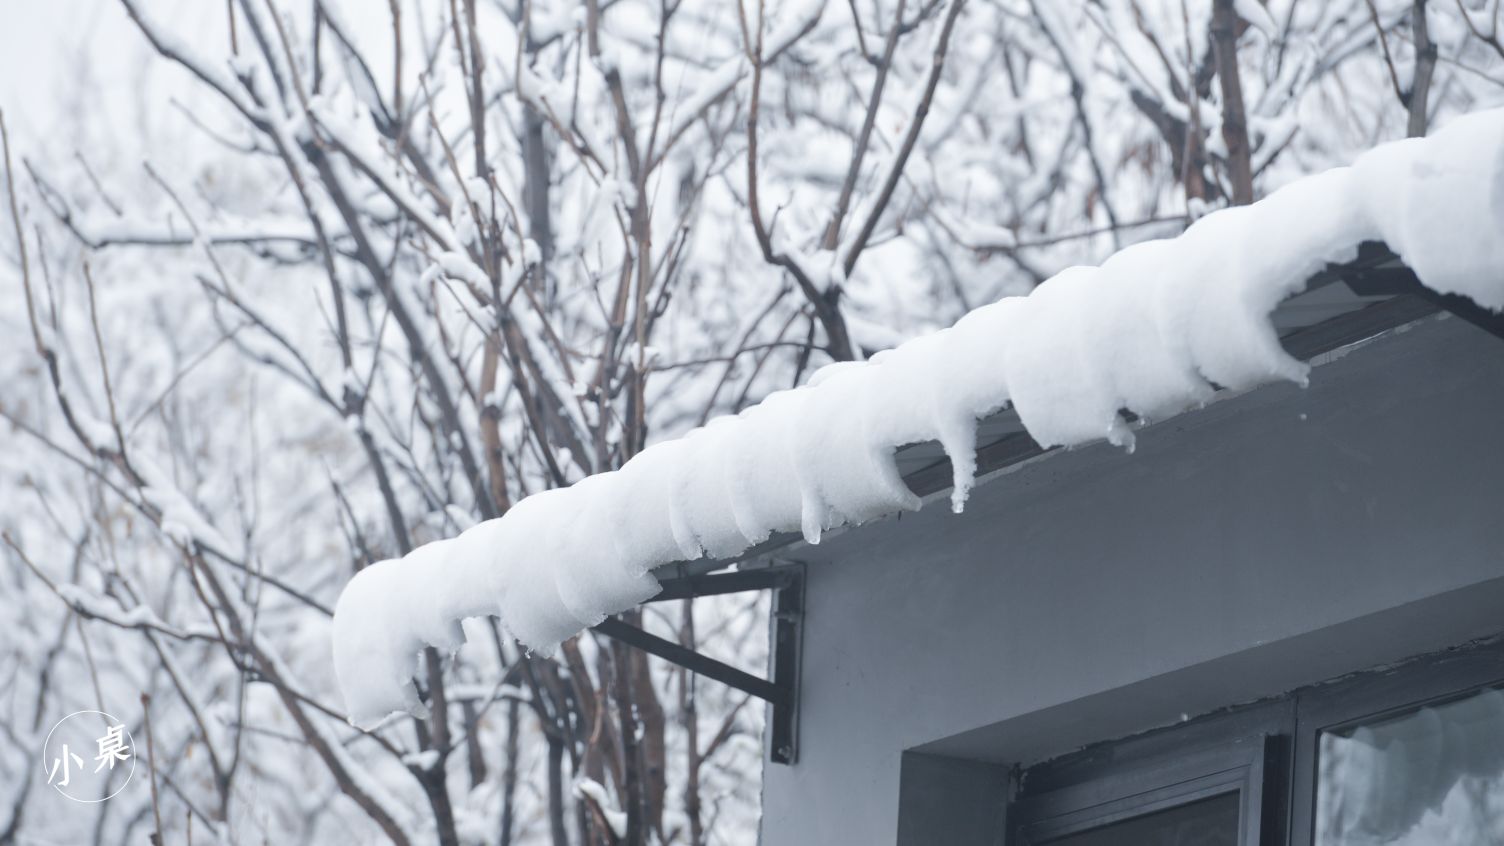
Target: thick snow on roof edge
x=1149 y=331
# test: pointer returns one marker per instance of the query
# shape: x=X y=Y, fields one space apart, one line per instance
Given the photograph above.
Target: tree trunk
x=1234 y=117
x=1425 y=66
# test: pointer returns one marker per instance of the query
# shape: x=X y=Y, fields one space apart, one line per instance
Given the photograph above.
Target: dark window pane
x=1206 y=822
x=1432 y=777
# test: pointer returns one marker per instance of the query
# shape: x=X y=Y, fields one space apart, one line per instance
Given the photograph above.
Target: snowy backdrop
x=289 y=287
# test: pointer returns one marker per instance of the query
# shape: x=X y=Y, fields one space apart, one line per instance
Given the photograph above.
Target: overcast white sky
x=62 y=57
x=59 y=58
x=42 y=43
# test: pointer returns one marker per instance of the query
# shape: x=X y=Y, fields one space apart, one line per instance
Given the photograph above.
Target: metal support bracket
x=781 y=692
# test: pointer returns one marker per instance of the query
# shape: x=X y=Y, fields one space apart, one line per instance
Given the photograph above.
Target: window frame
x=1266 y=750
x=1237 y=751
x=1374 y=695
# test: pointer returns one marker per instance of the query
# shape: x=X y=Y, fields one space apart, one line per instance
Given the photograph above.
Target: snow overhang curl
x=1149 y=331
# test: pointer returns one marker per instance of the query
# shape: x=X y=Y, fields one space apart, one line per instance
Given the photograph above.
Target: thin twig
x=151 y=762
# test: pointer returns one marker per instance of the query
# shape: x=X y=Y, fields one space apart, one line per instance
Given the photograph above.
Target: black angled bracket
x=781 y=692
x=1379 y=271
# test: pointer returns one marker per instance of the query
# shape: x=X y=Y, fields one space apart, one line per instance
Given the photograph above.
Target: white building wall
x=1268 y=541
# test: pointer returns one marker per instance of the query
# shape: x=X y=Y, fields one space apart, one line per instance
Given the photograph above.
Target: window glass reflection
x=1431 y=777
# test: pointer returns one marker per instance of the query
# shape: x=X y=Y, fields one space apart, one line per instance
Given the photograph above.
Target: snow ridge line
x=1150 y=330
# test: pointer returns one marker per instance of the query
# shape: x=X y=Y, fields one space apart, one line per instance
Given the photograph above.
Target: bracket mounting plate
x=781 y=691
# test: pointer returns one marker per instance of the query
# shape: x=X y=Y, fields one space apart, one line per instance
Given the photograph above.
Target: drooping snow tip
x=1150 y=330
